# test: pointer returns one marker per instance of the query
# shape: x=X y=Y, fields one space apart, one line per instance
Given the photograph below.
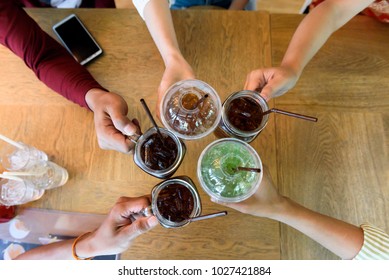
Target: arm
x=51 y=63
x=114 y=236
x=309 y=37
x=238 y=4
x=158 y=19
x=56 y=68
x=343 y=239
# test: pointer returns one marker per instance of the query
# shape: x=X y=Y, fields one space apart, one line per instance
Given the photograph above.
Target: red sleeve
x=52 y=64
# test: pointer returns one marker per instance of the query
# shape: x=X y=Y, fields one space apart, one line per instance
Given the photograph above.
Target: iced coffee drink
x=242 y=116
x=191 y=108
x=159 y=155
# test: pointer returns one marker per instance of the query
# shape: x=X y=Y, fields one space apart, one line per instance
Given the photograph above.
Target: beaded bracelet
x=74 y=247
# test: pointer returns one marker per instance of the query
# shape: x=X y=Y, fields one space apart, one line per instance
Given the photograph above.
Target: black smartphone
x=77 y=39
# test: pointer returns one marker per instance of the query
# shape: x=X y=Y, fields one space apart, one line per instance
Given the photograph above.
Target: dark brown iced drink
x=191 y=108
x=242 y=116
x=244 y=113
x=175 y=203
x=159 y=155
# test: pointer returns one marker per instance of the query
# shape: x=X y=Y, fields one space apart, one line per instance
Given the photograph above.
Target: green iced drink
x=218 y=174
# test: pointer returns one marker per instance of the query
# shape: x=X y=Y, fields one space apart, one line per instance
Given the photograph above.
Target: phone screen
x=77 y=39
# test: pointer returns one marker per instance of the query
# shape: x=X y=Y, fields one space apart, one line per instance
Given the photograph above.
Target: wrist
x=283 y=206
x=84 y=247
x=292 y=68
x=173 y=58
x=92 y=96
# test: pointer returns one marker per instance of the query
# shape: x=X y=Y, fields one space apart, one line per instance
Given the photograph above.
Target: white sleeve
x=140 y=6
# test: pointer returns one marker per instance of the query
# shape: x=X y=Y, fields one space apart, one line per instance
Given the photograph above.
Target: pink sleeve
x=51 y=63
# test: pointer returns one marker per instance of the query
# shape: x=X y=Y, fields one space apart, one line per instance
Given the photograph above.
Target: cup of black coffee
x=159 y=154
x=175 y=201
x=242 y=115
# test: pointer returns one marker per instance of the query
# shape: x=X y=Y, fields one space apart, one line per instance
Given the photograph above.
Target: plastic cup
x=156 y=158
x=216 y=170
x=13 y=192
x=187 y=112
x=47 y=175
x=19 y=159
x=174 y=201
x=242 y=116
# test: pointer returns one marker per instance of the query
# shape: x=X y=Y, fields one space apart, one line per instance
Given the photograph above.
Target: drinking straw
x=209 y=216
x=152 y=119
x=10 y=141
x=201 y=100
x=9 y=177
x=299 y=116
x=18 y=173
x=250 y=169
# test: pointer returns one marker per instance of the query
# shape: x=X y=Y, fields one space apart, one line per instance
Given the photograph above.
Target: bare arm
x=309 y=37
x=114 y=236
x=343 y=239
x=160 y=24
x=317 y=27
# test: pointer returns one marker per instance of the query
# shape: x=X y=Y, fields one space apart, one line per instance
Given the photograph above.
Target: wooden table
x=337 y=166
x=221 y=53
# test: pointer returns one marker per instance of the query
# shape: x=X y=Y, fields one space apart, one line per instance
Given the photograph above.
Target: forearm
x=343 y=239
x=316 y=28
x=61 y=250
x=160 y=24
x=51 y=63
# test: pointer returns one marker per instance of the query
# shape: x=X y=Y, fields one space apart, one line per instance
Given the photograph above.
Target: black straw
x=290 y=114
x=201 y=100
x=250 y=169
x=152 y=119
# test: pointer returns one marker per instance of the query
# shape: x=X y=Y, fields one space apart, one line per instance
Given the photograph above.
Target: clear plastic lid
x=191 y=109
x=218 y=174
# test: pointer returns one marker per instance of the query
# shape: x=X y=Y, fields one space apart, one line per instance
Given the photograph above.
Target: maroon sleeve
x=52 y=64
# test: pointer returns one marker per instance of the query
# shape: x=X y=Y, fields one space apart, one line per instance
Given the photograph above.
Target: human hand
x=271 y=82
x=117 y=232
x=111 y=122
x=176 y=70
x=265 y=202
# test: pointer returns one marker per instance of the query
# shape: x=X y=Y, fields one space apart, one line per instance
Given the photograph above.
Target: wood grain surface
x=339 y=165
x=221 y=52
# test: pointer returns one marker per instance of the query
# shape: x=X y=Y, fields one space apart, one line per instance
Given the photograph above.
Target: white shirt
x=65 y=3
x=140 y=6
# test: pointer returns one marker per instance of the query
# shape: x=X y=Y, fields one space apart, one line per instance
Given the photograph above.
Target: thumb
x=141 y=226
x=124 y=125
x=267 y=92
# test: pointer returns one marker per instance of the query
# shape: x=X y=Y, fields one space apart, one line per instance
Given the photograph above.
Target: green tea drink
x=218 y=174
